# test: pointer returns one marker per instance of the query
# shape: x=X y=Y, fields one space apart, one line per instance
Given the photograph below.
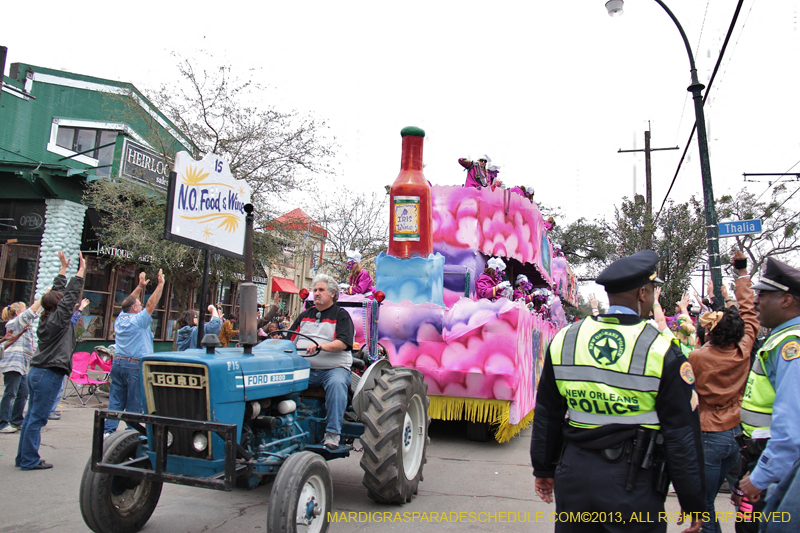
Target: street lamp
x=614 y=8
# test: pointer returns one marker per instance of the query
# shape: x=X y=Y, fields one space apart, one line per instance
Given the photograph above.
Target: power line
x=776 y=181
x=736 y=44
x=708 y=89
x=703 y=25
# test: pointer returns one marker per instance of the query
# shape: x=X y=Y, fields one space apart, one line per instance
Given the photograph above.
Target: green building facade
x=58 y=132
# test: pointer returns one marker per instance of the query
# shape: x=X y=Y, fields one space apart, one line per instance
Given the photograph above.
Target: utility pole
x=647 y=167
x=3 y=54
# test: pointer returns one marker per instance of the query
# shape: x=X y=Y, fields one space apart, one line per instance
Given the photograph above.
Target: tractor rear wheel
x=395 y=435
x=301 y=495
x=117 y=504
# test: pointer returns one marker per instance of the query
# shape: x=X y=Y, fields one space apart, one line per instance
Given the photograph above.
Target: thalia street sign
x=739 y=227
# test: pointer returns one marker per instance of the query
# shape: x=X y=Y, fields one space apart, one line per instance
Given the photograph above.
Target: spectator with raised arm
x=51 y=362
x=272 y=312
x=594 y=304
x=134 y=338
x=720 y=370
x=76 y=316
x=187 y=324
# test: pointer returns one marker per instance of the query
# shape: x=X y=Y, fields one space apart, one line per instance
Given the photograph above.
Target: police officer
x=771 y=408
x=632 y=413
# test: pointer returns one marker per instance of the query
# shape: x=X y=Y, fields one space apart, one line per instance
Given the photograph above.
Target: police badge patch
x=790 y=350
x=695 y=400
x=607 y=346
x=687 y=374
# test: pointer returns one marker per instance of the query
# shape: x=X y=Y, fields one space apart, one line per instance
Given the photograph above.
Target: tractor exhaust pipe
x=248 y=292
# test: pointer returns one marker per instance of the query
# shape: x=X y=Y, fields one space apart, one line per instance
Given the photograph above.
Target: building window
x=96 y=290
x=227 y=297
x=82 y=139
x=19 y=266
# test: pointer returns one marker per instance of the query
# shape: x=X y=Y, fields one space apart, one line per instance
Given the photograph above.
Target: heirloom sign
x=205 y=205
x=145 y=166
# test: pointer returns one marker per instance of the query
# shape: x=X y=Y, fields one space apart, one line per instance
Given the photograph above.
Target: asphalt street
x=491 y=480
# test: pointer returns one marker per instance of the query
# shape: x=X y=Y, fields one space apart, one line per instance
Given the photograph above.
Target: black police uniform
x=588 y=478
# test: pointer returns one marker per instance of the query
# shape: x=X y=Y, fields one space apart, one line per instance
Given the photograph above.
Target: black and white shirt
x=334 y=323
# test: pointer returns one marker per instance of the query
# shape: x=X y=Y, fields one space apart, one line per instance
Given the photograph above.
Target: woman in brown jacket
x=720 y=369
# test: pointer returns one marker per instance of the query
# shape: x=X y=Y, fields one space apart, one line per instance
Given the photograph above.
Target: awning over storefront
x=284 y=285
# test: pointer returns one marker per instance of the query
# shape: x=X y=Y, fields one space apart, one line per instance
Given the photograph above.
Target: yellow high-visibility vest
x=609 y=372
x=759 y=395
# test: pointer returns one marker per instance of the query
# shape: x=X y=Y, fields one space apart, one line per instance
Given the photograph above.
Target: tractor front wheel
x=301 y=495
x=117 y=504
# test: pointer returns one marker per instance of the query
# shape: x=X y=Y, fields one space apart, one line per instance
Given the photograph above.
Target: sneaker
x=55 y=415
x=331 y=441
x=9 y=429
x=18 y=426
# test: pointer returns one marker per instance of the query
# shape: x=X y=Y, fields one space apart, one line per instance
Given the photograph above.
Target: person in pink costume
x=489 y=284
x=359 y=281
x=477 y=174
x=522 y=292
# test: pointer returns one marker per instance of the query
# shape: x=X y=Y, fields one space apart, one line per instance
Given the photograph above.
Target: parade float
x=480 y=358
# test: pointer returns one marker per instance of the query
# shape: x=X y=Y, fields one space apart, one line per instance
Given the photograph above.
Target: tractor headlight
x=170 y=439
x=199 y=441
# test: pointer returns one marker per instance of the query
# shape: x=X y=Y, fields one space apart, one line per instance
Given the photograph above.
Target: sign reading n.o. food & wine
x=205 y=205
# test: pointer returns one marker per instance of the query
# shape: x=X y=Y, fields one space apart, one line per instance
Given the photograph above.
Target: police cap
x=779 y=276
x=631 y=272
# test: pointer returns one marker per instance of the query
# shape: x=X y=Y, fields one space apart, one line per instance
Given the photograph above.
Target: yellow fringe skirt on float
x=495 y=412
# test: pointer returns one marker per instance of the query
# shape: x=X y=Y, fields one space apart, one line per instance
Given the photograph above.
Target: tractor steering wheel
x=285 y=331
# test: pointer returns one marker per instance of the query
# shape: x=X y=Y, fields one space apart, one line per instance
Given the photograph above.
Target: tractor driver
x=333 y=329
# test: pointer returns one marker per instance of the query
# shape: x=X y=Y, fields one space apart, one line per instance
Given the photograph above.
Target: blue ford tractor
x=221 y=417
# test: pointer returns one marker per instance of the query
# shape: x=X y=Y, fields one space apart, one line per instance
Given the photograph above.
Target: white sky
x=549 y=90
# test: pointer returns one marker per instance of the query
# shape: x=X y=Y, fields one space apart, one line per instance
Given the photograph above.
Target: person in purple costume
x=489 y=284
x=523 y=290
x=359 y=281
x=477 y=174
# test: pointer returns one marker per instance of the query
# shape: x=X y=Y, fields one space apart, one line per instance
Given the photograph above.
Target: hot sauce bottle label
x=406 y=218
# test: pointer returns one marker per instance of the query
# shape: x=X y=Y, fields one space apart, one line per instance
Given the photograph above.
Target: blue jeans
x=14 y=399
x=59 y=395
x=720 y=451
x=43 y=385
x=784 y=498
x=126 y=390
x=336 y=382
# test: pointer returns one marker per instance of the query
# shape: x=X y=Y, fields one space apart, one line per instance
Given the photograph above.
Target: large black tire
x=479 y=431
x=395 y=435
x=115 y=504
x=303 y=484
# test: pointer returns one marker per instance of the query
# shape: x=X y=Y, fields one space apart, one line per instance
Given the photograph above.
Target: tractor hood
x=274 y=369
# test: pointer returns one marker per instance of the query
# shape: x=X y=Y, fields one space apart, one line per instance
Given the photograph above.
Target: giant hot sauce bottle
x=410 y=200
